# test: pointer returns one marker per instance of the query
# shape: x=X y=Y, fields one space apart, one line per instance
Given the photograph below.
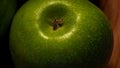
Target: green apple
x=60 y=34
x=7 y=10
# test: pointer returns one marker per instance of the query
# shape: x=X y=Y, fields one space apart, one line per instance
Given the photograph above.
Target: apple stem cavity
x=57 y=23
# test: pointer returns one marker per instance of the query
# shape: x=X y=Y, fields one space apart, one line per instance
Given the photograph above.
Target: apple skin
x=7 y=10
x=85 y=39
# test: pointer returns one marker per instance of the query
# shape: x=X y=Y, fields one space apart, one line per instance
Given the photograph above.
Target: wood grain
x=112 y=10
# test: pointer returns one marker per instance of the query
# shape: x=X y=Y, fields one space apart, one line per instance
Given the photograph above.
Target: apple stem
x=57 y=23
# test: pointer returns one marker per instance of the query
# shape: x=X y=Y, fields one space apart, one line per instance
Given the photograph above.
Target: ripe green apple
x=7 y=10
x=60 y=34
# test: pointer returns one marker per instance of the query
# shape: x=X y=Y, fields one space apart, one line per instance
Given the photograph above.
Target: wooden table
x=112 y=9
